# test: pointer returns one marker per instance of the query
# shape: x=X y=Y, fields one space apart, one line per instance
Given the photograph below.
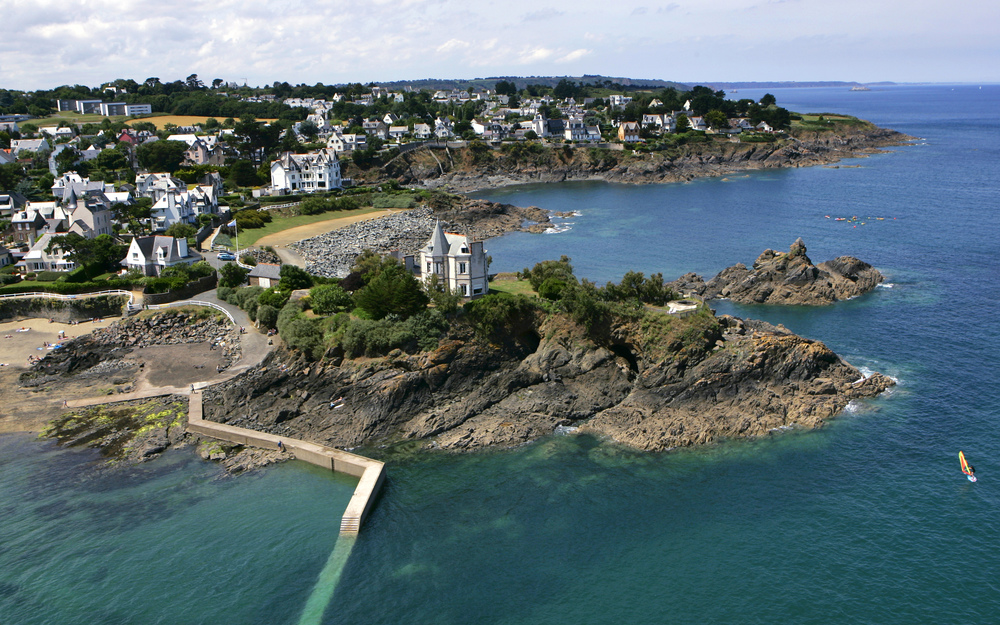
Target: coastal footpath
x=479 y=167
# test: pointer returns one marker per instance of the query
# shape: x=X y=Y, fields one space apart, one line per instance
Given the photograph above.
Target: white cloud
x=52 y=42
x=452 y=45
x=575 y=55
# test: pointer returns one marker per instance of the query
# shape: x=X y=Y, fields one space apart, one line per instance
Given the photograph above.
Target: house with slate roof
x=265 y=275
x=456 y=261
x=306 y=173
x=151 y=255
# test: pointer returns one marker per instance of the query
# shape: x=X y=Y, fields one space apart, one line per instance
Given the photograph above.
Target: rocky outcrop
x=787 y=279
x=653 y=383
x=101 y=352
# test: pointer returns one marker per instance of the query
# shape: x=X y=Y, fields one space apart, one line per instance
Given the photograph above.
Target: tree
x=10 y=175
x=682 y=125
x=309 y=129
x=181 y=230
x=294 y=278
x=394 y=291
x=162 y=155
x=95 y=255
x=327 y=299
x=232 y=275
x=193 y=82
x=716 y=119
x=216 y=83
x=66 y=159
x=768 y=100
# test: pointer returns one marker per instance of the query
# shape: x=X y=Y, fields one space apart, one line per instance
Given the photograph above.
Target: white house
x=306 y=173
x=422 y=131
x=28 y=145
x=458 y=263
x=151 y=255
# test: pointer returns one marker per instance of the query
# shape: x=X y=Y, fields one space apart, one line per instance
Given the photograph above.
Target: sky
x=47 y=43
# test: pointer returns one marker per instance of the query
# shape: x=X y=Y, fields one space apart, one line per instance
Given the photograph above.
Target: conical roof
x=71 y=199
x=439 y=242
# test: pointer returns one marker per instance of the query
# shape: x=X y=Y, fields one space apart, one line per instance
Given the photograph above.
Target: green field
x=505 y=283
x=67 y=118
x=249 y=237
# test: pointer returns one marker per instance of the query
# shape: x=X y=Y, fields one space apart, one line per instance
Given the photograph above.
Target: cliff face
x=653 y=382
x=787 y=279
x=466 y=169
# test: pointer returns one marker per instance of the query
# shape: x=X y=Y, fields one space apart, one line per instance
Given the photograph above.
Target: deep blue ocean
x=868 y=520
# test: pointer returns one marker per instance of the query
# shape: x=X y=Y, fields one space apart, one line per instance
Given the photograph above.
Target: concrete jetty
x=371 y=472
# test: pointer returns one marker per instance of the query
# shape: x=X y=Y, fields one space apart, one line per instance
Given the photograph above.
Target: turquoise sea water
x=865 y=521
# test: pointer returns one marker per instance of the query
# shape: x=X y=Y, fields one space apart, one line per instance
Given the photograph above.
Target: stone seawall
x=371 y=472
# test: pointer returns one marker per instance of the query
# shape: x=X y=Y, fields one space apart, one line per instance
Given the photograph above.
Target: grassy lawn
x=505 y=283
x=66 y=118
x=249 y=237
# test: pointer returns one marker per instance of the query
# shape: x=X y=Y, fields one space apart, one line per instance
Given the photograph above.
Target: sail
x=965 y=465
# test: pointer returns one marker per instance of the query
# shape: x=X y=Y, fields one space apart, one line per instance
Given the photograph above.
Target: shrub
x=274 y=297
x=379 y=337
x=327 y=299
x=267 y=316
x=498 y=313
x=223 y=293
x=248 y=259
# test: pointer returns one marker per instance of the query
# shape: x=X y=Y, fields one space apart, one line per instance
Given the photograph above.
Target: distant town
x=130 y=159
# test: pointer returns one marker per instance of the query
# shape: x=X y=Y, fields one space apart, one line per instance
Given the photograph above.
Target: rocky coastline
x=653 y=385
x=462 y=171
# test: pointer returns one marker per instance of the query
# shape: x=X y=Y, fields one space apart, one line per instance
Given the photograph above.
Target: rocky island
x=786 y=279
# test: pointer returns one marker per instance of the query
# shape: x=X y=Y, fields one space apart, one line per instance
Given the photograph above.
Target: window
x=462 y=268
x=465 y=290
x=428 y=267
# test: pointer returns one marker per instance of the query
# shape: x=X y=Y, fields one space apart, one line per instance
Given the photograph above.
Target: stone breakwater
x=332 y=254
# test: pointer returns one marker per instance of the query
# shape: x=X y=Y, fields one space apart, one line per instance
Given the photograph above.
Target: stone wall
x=190 y=290
x=63 y=311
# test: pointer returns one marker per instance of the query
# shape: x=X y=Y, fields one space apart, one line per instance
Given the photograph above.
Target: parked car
x=227 y=256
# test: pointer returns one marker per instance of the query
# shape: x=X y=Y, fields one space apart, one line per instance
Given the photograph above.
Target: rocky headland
x=652 y=381
x=466 y=169
x=786 y=279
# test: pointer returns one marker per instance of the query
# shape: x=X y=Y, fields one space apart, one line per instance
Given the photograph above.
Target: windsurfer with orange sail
x=967 y=468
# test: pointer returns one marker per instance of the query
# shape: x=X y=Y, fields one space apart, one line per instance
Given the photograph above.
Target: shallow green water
x=866 y=521
x=170 y=542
